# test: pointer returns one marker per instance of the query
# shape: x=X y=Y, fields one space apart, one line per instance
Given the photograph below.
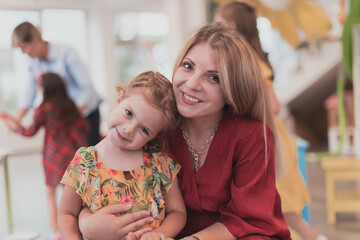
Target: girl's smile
x=134 y=122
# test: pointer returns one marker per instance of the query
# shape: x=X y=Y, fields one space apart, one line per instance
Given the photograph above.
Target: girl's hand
x=10 y=122
x=107 y=223
x=4 y=115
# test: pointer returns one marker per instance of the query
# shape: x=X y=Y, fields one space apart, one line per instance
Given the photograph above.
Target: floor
x=30 y=213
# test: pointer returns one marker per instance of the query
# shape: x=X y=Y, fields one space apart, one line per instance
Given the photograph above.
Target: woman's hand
x=107 y=223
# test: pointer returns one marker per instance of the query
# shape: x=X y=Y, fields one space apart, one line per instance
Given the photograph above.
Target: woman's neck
x=201 y=125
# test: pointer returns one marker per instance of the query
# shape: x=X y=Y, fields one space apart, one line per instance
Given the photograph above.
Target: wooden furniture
x=5 y=154
x=341 y=168
x=4 y=161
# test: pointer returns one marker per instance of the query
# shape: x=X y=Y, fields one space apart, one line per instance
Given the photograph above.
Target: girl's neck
x=118 y=158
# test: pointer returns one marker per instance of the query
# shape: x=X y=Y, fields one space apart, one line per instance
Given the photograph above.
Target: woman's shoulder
x=242 y=125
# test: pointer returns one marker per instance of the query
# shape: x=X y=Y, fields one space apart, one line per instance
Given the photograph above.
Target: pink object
x=332 y=101
x=4 y=115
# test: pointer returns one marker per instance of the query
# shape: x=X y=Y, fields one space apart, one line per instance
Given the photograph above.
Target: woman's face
x=196 y=84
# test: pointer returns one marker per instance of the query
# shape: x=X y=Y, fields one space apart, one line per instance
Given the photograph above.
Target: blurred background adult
x=62 y=60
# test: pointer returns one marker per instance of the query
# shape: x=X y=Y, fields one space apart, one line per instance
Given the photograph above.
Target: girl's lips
x=120 y=136
x=190 y=100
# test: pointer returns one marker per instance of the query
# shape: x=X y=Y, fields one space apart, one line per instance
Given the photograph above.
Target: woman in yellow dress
x=291 y=186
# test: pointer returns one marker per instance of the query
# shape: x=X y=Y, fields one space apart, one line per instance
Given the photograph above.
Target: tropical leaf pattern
x=99 y=186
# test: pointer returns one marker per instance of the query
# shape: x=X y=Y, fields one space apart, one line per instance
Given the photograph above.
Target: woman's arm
x=175 y=214
x=69 y=209
x=107 y=223
x=213 y=232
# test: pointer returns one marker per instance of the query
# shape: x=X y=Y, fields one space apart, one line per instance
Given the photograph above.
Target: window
x=140 y=43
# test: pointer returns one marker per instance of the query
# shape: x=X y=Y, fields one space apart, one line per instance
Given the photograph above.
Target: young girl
x=127 y=166
x=65 y=132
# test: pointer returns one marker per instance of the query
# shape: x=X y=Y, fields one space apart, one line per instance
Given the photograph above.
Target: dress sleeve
x=38 y=121
x=81 y=175
x=168 y=169
x=254 y=210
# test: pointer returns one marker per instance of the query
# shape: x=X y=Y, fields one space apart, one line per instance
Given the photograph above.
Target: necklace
x=191 y=148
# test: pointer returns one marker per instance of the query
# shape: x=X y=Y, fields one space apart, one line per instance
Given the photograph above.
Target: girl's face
x=134 y=122
x=196 y=84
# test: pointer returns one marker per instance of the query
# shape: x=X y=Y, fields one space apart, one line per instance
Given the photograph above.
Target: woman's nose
x=195 y=82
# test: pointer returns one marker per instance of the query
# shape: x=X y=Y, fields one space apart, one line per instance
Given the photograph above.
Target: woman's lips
x=190 y=100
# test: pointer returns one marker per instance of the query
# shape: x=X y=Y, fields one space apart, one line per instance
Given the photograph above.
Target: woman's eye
x=145 y=131
x=128 y=113
x=187 y=65
x=214 y=78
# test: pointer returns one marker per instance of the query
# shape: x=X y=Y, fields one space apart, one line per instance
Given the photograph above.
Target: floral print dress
x=145 y=186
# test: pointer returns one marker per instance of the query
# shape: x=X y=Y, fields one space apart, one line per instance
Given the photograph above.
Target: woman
x=291 y=186
x=225 y=145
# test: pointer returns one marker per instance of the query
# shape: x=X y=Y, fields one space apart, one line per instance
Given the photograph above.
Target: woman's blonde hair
x=158 y=92
x=240 y=78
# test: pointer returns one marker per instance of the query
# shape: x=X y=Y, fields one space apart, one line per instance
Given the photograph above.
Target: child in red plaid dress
x=65 y=132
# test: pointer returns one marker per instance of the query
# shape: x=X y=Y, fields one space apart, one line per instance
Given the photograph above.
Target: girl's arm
x=69 y=209
x=175 y=218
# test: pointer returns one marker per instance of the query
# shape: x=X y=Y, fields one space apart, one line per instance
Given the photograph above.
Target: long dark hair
x=243 y=17
x=54 y=92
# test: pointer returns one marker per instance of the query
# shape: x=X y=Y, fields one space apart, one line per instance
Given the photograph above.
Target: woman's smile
x=189 y=99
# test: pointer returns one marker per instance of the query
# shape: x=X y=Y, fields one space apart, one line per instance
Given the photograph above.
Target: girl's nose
x=129 y=128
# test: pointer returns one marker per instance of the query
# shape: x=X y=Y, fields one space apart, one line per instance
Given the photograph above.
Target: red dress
x=61 y=141
x=235 y=186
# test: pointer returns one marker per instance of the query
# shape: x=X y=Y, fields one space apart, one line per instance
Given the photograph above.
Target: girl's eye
x=145 y=131
x=187 y=65
x=128 y=113
x=214 y=78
